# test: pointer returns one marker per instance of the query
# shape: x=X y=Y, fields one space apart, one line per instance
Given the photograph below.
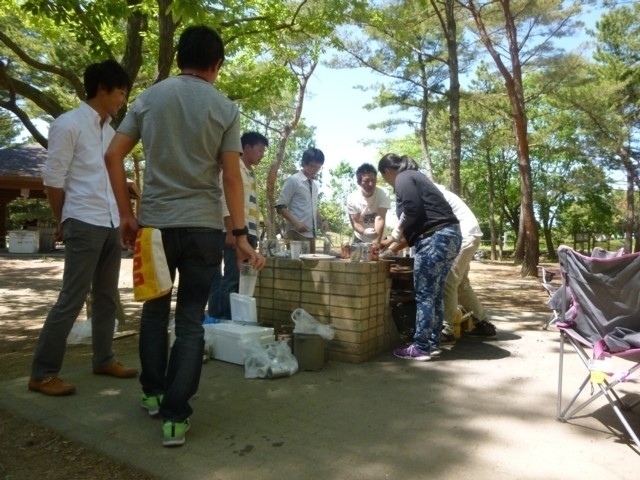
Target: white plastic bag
x=81 y=332
x=209 y=333
x=270 y=361
x=305 y=323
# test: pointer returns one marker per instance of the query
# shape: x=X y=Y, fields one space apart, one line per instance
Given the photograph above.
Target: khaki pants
x=293 y=235
x=458 y=290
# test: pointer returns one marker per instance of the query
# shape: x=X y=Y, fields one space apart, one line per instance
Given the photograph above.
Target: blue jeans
x=195 y=253
x=434 y=256
x=91 y=261
x=221 y=288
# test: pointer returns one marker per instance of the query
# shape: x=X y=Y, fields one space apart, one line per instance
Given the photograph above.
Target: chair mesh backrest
x=605 y=292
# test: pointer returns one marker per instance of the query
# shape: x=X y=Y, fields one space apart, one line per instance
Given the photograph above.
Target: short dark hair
x=363 y=169
x=253 y=138
x=312 y=155
x=109 y=74
x=199 y=47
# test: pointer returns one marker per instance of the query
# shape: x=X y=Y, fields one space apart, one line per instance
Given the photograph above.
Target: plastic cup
x=248 y=279
x=296 y=249
x=356 y=252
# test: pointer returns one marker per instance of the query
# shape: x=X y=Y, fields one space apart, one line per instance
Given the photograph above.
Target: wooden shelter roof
x=20 y=173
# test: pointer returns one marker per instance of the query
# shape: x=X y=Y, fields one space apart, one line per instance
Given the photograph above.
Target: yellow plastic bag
x=151 y=278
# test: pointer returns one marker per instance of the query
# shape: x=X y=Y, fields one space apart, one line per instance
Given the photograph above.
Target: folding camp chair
x=602 y=314
x=547 y=275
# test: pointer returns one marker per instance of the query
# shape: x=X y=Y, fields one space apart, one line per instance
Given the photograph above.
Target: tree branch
x=22 y=55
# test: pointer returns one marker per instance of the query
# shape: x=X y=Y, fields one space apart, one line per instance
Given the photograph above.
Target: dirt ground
x=29 y=286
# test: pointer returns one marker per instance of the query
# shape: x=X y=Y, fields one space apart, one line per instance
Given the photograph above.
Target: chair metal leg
x=560 y=374
x=606 y=389
x=620 y=416
x=552 y=320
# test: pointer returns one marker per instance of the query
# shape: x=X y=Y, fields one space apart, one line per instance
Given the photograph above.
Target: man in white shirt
x=367 y=207
x=458 y=289
x=83 y=203
x=253 y=148
x=298 y=201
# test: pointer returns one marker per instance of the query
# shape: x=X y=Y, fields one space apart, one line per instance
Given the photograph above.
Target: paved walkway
x=484 y=410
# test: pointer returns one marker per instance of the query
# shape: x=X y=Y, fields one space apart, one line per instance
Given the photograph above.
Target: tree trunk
x=424 y=121
x=166 y=29
x=450 y=30
x=137 y=24
x=270 y=227
x=492 y=208
x=548 y=239
x=454 y=97
x=529 y=230
x=303 y=79
x=629 y=217
x=527 y=247
x=428 y=166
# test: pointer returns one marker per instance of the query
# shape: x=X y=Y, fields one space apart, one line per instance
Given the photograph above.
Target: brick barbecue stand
x=353 y=297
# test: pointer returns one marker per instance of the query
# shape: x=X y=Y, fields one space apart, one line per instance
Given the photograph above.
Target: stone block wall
x=352 y=297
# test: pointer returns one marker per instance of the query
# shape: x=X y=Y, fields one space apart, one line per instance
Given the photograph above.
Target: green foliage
x=585 y=203
x=27 y=211
x=41 y=40
x=582 y=115
x=618 y=75
x=9 y=129
x=333 y=212
x=619 y=45
x=403 y=43
x=405 y=145
x=81 y=20
x=300 y=140
x=50 y=43
x=342 y=182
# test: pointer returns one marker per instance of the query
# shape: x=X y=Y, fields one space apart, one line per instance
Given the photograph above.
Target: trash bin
x=309 y=350
x=23 y=241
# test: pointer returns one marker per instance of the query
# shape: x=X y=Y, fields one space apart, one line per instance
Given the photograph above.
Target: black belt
x=431 y=231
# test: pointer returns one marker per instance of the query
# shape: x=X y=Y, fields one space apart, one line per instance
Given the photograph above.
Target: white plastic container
x=23 y=241
x=243 y=308
x=227 y=338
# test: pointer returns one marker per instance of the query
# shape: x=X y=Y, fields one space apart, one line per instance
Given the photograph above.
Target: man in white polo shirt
x=83 y=203
x=298 y=201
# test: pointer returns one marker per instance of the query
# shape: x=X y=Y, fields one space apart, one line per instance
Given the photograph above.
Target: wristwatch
x=238 y=232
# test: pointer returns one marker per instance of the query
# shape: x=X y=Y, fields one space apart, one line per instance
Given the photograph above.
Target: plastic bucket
x=309 y=350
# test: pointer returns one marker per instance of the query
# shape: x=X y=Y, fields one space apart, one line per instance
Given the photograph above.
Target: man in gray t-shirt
x=189 y=132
